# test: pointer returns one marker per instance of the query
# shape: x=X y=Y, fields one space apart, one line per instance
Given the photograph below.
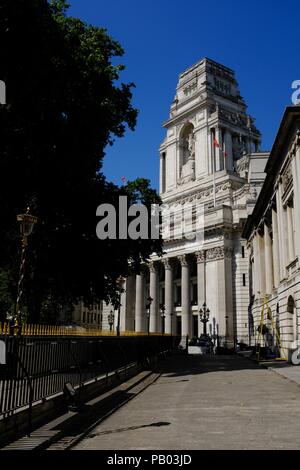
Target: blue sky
x=161 y=38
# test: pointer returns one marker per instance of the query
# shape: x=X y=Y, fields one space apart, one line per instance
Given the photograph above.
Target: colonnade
x=168 y=300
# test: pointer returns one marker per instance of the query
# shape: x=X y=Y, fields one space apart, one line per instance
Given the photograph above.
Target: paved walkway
x=224 y=402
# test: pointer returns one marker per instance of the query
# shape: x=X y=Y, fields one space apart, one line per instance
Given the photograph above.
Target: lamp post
x=111 y=319
x=148 y=306
x=26 y=223
x=163 y=317
x=119 y=283
x=204 y=317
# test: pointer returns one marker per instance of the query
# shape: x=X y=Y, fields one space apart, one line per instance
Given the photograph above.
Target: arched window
x=290 y=304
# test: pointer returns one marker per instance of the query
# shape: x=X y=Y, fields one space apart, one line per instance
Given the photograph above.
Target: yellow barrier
x=50 y=330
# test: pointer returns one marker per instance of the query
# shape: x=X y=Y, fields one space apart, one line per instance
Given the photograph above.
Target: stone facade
x=211 y=157
x=273 y=239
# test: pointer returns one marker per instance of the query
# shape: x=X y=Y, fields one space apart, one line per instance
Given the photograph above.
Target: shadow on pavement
x=180 y=365
x=130 y=428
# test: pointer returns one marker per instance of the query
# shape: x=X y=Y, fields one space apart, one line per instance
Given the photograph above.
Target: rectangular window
x=195 y=295
x=178 y=296
x=162 y=295
x=243 y=252
x=244 y=279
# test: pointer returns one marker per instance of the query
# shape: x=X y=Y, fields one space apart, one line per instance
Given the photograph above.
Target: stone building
x=210 y=158
x=273 y=239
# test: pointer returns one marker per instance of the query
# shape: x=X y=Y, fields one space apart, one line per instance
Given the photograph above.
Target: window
x=244 y=279
x=194 y=294
x=178 y=296
x=243 y=252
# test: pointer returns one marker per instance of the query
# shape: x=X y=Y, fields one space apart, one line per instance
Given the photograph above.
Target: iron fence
x=37 y=367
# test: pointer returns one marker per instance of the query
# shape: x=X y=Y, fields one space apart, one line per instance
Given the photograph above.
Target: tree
x=64 y=108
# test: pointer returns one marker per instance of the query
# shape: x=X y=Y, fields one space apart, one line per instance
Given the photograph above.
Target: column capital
x=153 y=268
x=168 y=263
x=184 y=260
x=200 y=255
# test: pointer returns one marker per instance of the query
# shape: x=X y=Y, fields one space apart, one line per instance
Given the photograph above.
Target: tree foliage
x=64 y=108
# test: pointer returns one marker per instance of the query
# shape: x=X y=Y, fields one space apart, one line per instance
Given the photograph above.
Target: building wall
x=273 y=234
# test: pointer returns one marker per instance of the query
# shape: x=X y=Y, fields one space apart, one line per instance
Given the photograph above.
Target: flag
x=216 y=143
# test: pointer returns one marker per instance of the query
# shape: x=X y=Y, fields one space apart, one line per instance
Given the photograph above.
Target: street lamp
x=26 y=224
x=148 y=306
x=111 y=319
x=204 y=317
x=119 y=283
x=163 y=317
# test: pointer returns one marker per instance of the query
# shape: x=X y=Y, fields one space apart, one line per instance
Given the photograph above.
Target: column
x=201 y=283
x=219 y=153
x=281 y=233
x=256 y=266
x=252 y=272
x=169 y=300
x=201 y=278
x=296 y=187
x=276 y=259
x=228 y=150
x=210 y=152
x=218 y=150
x=261 y=264
x=185 y=295
x=290 y=230
x=154 y=308
x=140 y=304
x=268 y=260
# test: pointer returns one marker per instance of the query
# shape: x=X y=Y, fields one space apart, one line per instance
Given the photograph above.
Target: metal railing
x=53 y=330
x=36 y=367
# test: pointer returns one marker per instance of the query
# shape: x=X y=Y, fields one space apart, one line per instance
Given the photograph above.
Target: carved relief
x=215 y=253
x=191 y=88
x=287 y=178
x=200 y=255
x=218 y=252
